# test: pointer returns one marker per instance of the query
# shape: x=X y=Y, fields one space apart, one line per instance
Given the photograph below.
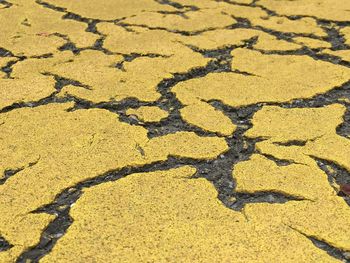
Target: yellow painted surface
x=224 y=38
x=66 y=151
x=148 y=113
x=29 y=29
x=208 y=118
x=258 y=17
x=31 y=88
x=289 y=125
x=343 y=54
x=108 y=9
x=324 y=219
x=62 y=123
x=167 y=217
x=312 y=42
x=107 y=82
x=346 y=33
x=326 y=9
x=194 y=21
x=276 y=78
x=260 y=174
x=325 y=216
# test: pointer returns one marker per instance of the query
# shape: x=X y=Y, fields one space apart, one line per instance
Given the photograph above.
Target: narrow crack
x=4 y=244
x=291 y=143
x=8 y=174
x=262 y=197
x=11 y=172
x=132 y=56
x=5 y=53
x=323 y=245
x=331 y=250
x=336 y=175
x=177 y=5
x=277 y=161
x=5 y=4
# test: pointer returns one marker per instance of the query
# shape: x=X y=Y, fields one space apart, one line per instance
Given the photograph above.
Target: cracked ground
x=175 y=131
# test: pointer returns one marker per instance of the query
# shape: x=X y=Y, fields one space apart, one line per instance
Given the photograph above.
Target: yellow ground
x=174 y=131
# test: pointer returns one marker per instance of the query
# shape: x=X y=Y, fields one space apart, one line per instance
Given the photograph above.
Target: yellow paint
x=289 y=124
x=346 y=33
x=28 y=89
x=148 y=113
x=142 y=41
x=259 y=17
x=326 y=9
x=110 y=9
x=69 y=147
x=169 y=216
x=275 y=78
x=208 y=118
x=165 y=216
x=194 y=21
x=282 y=125
x=106 y=82
x=312 y=42
x=28 y=29
x=343 y=54
x=283 y=24
x=224 y=38
x=260 y=174
x=326 y=216
x=326 y=219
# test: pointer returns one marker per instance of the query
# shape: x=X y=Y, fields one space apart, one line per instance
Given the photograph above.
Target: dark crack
x=4 y=244
x=9 y=173
x=336 y=175
x=132 y=56
x=261 y=197
x=7 y=69
x=331 y=250
x=5 y=53
x=277 y=161
x=177 y=5
x=291 y=143
x=344 y=128
x=5 y=4
x=323 y=245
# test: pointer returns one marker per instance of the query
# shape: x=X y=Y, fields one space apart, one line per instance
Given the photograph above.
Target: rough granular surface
x=175 y=131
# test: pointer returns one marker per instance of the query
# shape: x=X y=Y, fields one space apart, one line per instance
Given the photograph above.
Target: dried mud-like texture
x=174 y=131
